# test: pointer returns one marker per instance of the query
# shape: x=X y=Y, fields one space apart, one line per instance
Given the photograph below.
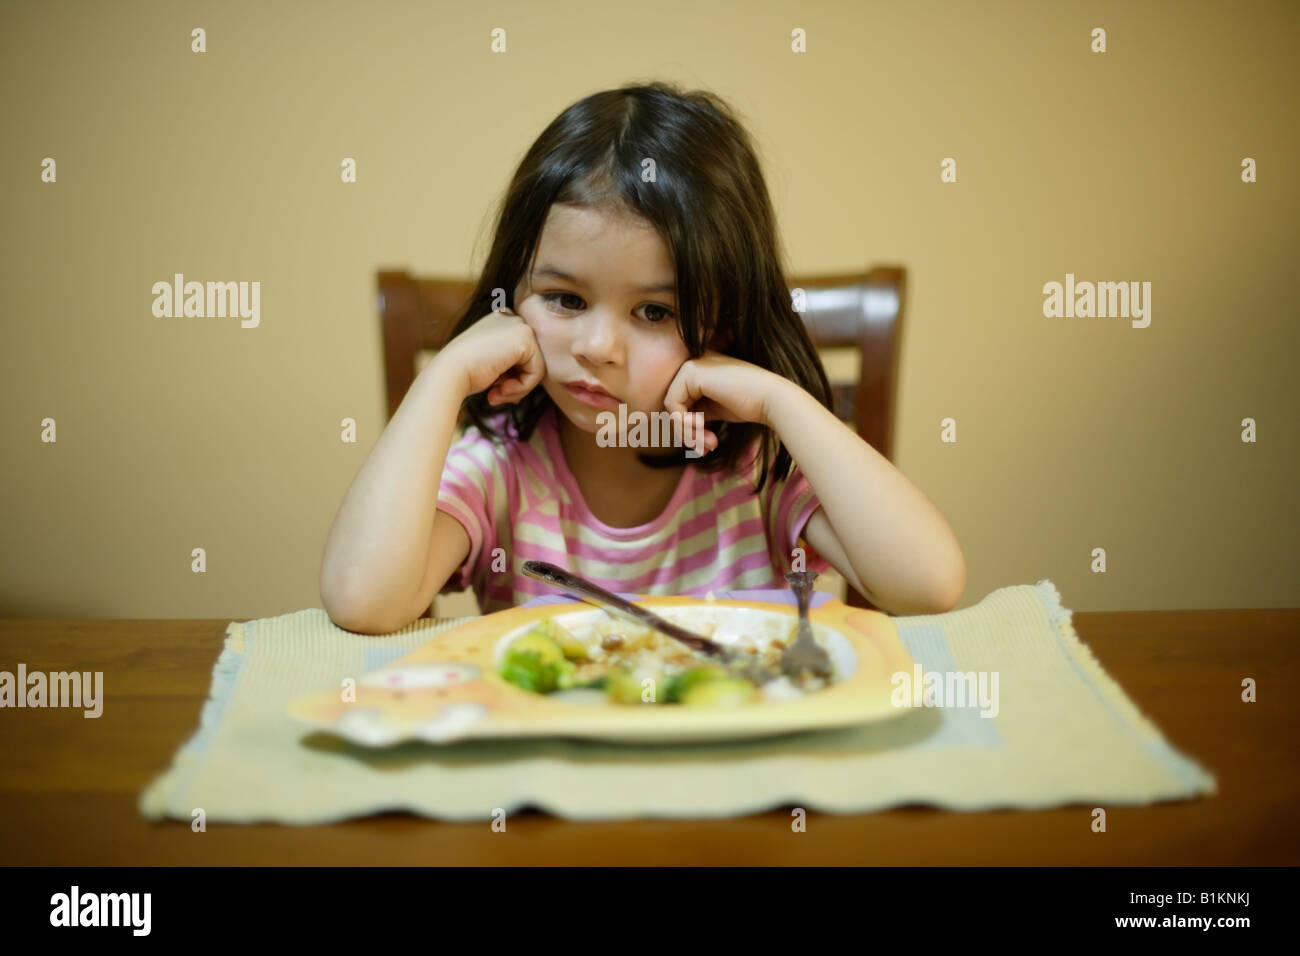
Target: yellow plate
x=448 y=689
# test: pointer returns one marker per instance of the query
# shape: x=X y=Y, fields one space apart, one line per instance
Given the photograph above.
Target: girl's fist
x=499 y=353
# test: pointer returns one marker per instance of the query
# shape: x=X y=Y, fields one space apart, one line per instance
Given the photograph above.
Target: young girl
x=635 y=263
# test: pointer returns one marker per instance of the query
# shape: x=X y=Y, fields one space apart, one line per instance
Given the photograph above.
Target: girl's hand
x=723 y=389
x=498 y=352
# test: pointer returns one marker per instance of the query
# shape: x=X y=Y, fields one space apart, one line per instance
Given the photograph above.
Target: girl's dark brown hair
x=709 y=203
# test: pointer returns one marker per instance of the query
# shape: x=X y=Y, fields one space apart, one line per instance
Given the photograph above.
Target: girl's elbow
x=954 y=587
x=358 y=618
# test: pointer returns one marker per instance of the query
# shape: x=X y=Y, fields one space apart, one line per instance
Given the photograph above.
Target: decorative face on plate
x=416 y=688
x=378 y=726
x=421 y=676
x=437 y=701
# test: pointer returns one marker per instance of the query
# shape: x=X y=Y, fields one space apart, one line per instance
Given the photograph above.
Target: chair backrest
x=858 y=313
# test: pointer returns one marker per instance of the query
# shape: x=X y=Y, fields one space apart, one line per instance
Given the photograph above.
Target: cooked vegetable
x=730 y=692
x=617 y=657
x=539 y=643
x=535 y=662
x=622 y=687
x=676 y=686
x=573 y=648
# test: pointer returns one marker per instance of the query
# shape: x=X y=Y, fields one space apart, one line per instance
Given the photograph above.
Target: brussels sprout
x=622 y=687
x=566 y=674
x=676 y=686
x=528 y=670
x=727 y=692
x=572 y=648
x=537 y=642
x=524 y=670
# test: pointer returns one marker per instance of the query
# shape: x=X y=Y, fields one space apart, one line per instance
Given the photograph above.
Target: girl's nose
x=599 y=338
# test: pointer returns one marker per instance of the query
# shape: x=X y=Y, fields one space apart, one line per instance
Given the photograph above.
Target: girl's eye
x=662 y=314
x=667 y=315
x=552 y=296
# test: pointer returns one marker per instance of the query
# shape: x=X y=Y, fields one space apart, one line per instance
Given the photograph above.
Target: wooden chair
x=858 y=316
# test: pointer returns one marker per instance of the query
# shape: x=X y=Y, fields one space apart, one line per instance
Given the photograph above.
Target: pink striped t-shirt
x=714 y=535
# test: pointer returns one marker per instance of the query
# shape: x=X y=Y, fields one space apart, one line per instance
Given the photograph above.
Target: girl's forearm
x=377 y=551
x=901 y=547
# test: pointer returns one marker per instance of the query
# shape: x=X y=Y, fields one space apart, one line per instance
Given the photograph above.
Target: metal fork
x=805 y=654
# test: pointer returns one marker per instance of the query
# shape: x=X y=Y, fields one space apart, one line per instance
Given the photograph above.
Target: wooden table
x=69 y=786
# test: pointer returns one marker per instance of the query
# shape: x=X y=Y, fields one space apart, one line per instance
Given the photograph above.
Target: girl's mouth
x=590 y=397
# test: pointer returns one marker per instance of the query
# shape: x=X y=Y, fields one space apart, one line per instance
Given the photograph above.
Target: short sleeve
x=472 y=479
x=787 y=505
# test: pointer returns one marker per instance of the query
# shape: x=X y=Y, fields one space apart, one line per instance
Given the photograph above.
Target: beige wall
x=1073 y=434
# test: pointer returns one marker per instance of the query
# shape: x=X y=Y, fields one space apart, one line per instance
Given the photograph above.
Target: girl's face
x=601 y=301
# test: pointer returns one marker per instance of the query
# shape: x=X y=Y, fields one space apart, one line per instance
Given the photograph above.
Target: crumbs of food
x=617 y=656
